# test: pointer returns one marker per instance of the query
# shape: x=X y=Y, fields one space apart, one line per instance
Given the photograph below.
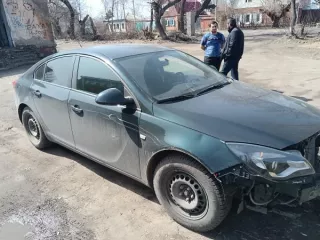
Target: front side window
x=95 y=77
x=169 y=74
x=59 y=71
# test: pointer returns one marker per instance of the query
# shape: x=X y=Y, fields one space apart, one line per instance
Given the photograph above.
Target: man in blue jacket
x=233 y=49
x=212 y=43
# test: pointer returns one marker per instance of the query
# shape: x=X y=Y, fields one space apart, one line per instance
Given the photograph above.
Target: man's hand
x=203 y=47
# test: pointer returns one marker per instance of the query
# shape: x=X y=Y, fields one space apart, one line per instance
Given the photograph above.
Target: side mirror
x=112 y=97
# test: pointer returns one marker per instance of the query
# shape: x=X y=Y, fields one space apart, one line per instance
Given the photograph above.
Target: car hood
x=240 y=112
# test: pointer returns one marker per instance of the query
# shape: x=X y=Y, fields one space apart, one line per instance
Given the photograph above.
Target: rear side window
x=95 y=77
x=39 y=72
x=59 y=71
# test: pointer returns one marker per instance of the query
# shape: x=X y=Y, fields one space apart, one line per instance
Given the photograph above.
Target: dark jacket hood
x=240 y=112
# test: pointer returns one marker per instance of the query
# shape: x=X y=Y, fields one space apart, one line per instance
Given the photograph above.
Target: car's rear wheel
x=34 y=129
x=191 y=196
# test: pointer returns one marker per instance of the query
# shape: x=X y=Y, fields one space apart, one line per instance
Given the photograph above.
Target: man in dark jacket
x=233 y=49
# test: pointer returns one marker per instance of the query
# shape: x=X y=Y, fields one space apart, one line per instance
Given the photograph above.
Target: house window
x=170 y=22
x=258 y=19
x=122 y=25
x=248 y=1
x=118 y=26
x=247 y=18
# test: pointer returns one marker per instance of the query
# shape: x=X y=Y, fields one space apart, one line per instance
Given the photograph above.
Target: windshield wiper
x=211 y=87
x=176 y=98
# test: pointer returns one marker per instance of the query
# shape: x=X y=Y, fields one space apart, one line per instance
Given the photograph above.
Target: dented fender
x=158 y=135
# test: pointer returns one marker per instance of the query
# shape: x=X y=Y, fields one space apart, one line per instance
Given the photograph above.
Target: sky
x=96 y=8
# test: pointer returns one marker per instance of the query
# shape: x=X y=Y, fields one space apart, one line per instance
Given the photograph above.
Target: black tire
x=34 y=129
x=211 y=206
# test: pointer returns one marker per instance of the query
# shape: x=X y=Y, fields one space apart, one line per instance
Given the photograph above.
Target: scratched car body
x=166 y=119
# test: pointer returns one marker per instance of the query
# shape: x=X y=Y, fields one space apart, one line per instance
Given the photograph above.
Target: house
x=25 y=23
x=128 y=24
x=171 y=16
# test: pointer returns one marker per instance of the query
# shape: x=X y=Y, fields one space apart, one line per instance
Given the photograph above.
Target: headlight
x=272 y=163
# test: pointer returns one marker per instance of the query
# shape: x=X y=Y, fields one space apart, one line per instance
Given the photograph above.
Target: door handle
x=76 y=109
x=37 y=93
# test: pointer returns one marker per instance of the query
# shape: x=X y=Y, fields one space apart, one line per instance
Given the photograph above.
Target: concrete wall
x=28 y=22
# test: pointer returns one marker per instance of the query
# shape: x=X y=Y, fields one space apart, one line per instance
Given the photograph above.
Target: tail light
x=14 y=83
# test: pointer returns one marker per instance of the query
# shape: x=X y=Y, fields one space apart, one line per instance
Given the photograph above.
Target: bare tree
x=81 y=7
x=182 y=12
x=105 y=4
x=57 y=11
x=293 y=18
x=83 y=25
x=205 y=4
x=159 y=10
x=134 y=11
x=151 y=20
x=275 y=10
x=72 y=17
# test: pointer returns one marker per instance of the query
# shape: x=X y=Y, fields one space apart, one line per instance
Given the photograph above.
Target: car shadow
x=105 y=172
x=288 y=223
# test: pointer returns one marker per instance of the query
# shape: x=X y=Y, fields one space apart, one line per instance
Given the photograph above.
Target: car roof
x=114 y=51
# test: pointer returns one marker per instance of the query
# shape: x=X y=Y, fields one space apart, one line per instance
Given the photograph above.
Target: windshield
x=169 y=74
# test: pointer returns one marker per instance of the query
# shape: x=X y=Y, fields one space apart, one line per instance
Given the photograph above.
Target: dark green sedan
x=201 y=140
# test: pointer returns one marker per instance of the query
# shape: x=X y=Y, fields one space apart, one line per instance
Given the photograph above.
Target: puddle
x=14 y=231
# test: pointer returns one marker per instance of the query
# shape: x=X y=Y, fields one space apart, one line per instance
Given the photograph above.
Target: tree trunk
x=151 y=20
x=276 y=22
x=134 y=12
x=181 y=22
x=94 y=29
x=83 y=26
x=293 y=18
x=205 y=5
x=159 y=26
x=158 y=12
x=72 y=17
x=112 y=9
x=124 y=17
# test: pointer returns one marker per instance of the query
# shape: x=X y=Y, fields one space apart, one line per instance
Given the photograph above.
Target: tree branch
x=169 y=4
x=205 y=5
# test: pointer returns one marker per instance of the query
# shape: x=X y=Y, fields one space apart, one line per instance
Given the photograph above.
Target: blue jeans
x=231 y=65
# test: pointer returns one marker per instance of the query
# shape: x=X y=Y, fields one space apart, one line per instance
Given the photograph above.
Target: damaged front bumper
x=303 y=189
x=257 y=191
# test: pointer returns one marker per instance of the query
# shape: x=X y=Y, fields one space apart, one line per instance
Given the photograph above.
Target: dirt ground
x=57 y=194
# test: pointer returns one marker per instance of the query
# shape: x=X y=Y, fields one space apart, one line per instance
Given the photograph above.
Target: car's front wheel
x=34 y=129
x=191 y=196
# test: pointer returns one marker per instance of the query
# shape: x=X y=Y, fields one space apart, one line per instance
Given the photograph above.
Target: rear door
x=51 y=89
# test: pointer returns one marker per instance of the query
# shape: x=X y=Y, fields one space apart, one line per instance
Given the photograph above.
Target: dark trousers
x=231 y=65
x=213 y=61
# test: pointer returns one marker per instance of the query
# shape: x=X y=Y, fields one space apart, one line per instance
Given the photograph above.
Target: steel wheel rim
x=33 y=127
x=187 y=196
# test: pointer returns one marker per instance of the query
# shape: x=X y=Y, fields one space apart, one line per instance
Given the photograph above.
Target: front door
x=107 y=133
x=51 y=89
